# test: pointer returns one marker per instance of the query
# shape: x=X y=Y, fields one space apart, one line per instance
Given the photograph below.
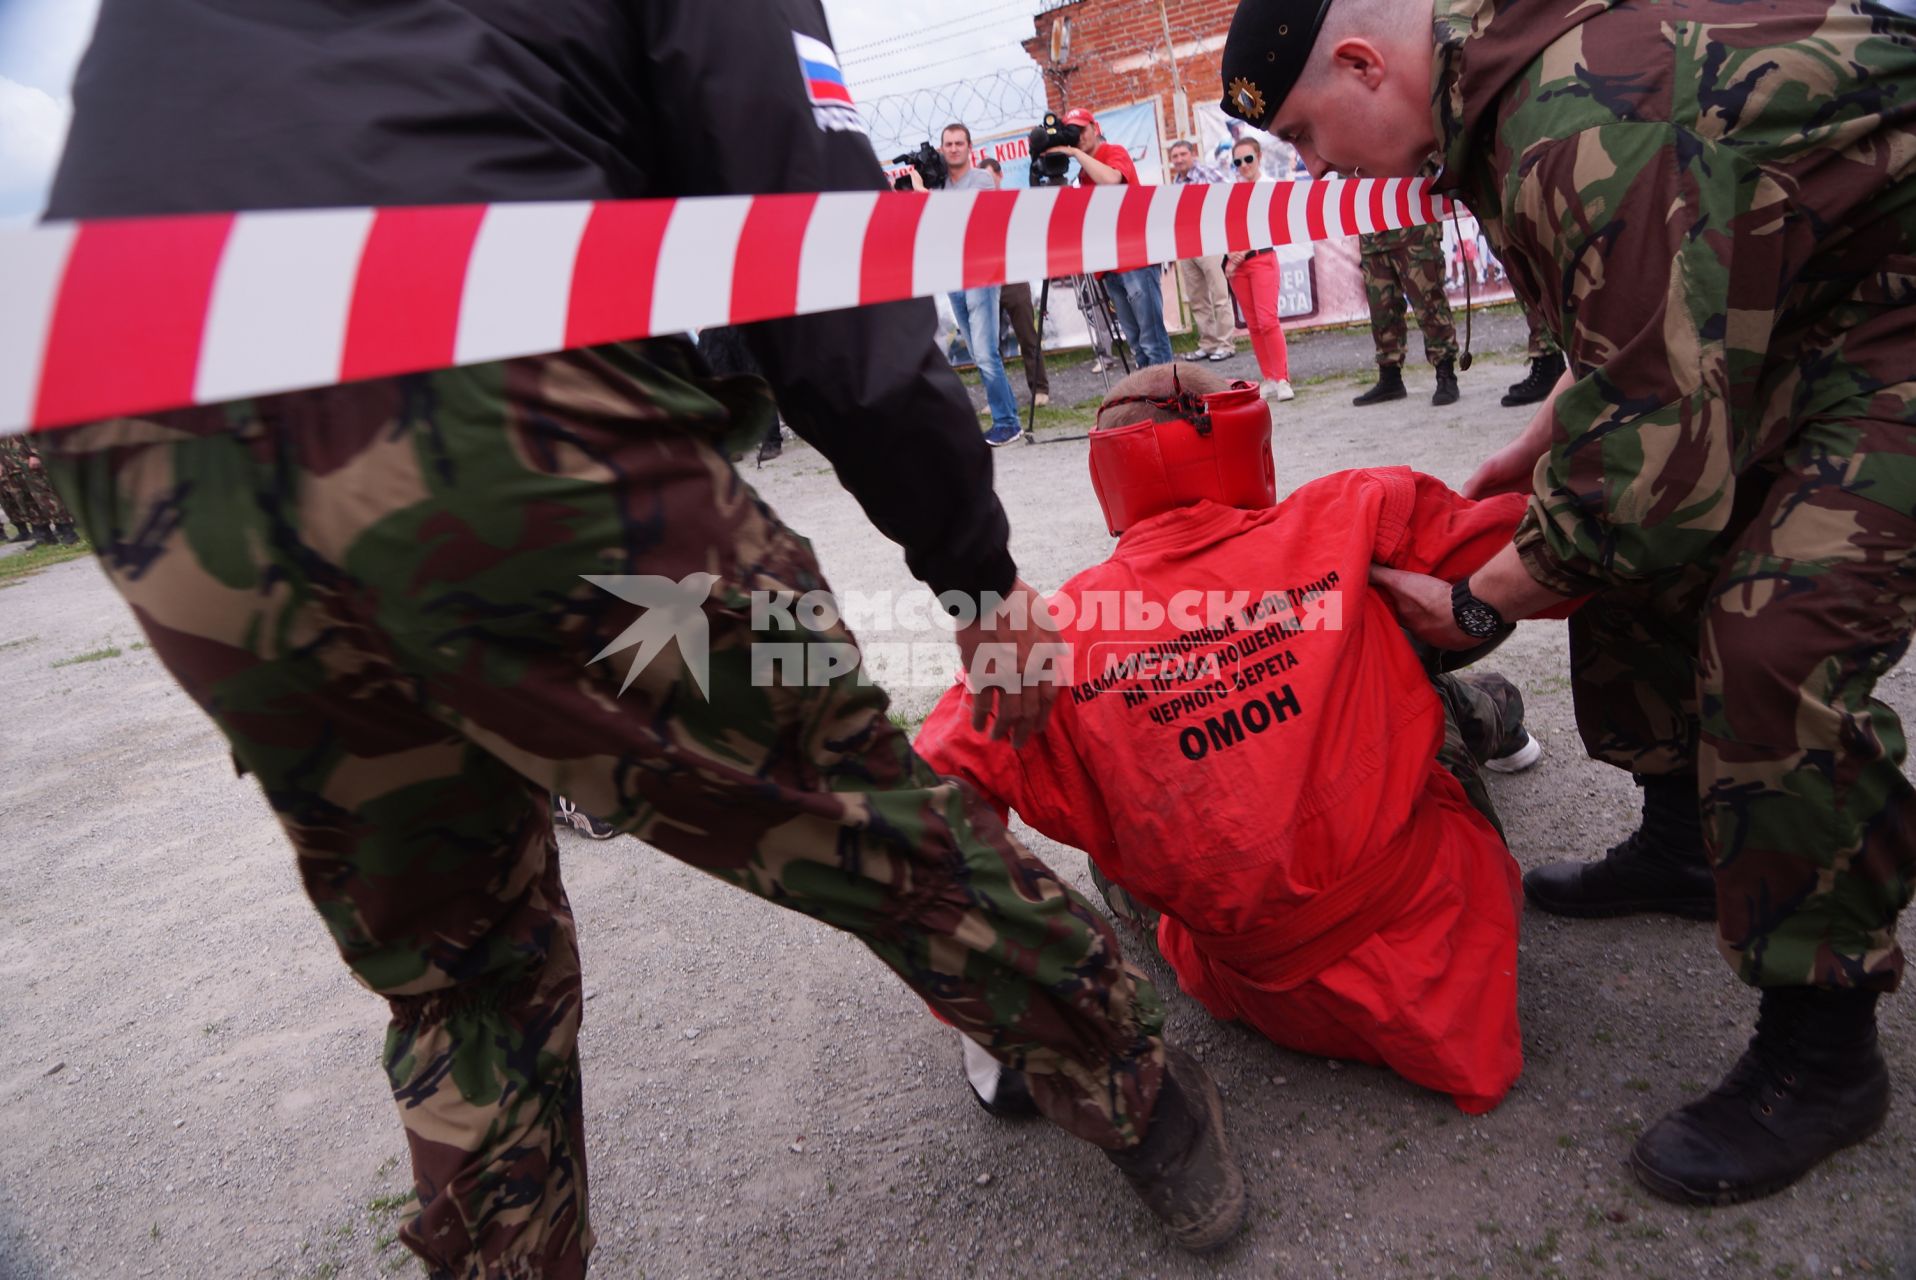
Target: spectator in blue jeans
x=1138 y=299
x=977 y=309
x=1136 y=295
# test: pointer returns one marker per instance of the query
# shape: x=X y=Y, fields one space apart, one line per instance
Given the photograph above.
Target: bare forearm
x=1097 y=170
x=1506 y=586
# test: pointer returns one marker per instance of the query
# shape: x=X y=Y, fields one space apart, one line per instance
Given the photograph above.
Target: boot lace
x=1767 y=1072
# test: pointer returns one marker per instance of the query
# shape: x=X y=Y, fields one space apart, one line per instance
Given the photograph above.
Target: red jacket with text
x=1264 y=773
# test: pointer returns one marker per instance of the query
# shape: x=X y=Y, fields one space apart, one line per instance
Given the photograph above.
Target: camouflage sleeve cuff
x=1566 y=577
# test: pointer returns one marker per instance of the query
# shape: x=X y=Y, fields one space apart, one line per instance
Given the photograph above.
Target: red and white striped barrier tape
x=117 y=317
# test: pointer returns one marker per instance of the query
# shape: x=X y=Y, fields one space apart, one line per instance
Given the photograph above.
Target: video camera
x=930 y=165
x=1048 y=166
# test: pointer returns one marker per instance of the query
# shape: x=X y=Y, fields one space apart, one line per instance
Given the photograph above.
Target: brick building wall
x=1117 y=52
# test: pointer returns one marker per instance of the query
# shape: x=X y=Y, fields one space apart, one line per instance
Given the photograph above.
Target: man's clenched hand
x=1001 y=653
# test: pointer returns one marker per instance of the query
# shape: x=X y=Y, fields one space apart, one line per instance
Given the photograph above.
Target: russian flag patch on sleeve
x=825 y=85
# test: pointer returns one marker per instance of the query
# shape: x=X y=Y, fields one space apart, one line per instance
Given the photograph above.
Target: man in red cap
x=1137 y=294
x=1250 y=745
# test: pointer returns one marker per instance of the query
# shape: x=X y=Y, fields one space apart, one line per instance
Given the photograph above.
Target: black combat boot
x=1811 y=1083
x=1184 y=1170
x=67 y=536
x=1660 y=867
x=42 y=537
x=1543 y=375
x=21 y=534
x=1446 y=392
x=1390 y=386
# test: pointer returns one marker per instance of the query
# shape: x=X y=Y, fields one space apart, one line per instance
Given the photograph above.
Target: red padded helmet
x=1217 y=446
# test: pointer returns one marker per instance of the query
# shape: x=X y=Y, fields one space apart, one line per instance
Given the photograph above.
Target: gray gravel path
x=189 y=1083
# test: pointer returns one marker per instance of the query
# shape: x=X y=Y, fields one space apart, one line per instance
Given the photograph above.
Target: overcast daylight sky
x=887 y=47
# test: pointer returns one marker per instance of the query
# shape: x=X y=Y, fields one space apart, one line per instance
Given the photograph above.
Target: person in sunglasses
x=1254 y=282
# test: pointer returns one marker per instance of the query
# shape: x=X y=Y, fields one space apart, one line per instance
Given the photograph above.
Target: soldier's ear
x=1359 y=59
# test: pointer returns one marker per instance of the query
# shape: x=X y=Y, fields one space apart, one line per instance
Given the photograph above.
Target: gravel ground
x=189 y=1082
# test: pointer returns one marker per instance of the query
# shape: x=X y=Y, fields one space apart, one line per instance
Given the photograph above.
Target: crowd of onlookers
x=1405 y=272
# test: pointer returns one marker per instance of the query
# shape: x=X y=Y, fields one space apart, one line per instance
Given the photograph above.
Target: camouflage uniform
x=30 y=501
x=7 y=512
x=1539 y=344
x=405 y=662
x=1483 y=711
x=1407 y=261
x=1739 y=486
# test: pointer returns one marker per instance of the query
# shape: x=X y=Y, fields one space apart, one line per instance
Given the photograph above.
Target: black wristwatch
x=1473 y=617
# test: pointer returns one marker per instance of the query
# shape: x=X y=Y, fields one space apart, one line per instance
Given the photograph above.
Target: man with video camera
x=1136 y=294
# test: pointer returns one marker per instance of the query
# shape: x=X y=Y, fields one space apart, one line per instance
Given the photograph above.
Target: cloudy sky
x=887 y=47
x=40 y=40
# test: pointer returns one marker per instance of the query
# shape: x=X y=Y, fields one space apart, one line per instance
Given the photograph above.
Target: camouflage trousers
x=1538 y=343
x=1757 y=670
x=1482 y=712
x=29 y=500
x=376 y=591
x=1408 y=261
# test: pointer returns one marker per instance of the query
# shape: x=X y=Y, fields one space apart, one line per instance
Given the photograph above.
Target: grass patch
x=1073 y=419
x=21 y=643
x=27 y=563
x=97 y=655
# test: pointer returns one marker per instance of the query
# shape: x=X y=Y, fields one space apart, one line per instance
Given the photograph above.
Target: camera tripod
x=1095 y=289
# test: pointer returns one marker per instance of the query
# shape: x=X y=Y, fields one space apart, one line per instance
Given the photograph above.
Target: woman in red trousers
x=1254 y=278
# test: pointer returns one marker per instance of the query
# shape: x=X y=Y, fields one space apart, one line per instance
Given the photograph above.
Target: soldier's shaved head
x=1361 y=106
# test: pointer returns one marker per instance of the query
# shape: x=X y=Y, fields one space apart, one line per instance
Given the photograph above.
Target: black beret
x=1265 y=53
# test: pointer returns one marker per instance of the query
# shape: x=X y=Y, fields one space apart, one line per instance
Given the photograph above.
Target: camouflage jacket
x=1686 y=191
x=1389 y=241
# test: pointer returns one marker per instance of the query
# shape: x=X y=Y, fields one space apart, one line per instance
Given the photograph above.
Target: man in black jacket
x=376 y=589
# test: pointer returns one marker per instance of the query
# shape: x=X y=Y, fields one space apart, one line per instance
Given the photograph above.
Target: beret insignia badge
x=1248 y=100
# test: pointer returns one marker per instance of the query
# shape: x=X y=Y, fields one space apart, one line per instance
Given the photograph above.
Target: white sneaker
x=1517 y=761
x=998 y=1089
x=1277 y=389
x=1284 y=391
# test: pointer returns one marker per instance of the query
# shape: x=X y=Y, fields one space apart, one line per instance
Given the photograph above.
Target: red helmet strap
x=1181 y=404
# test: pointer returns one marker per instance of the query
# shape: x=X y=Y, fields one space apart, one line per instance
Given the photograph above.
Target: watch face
x=1478 y=619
